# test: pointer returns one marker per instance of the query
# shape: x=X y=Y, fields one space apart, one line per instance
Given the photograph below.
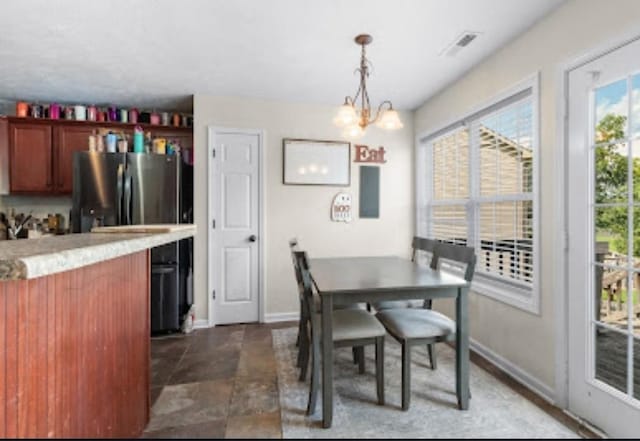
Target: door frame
x=212 y=131
x=561 y=231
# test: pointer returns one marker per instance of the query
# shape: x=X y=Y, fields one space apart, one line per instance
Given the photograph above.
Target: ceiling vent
x=463 y=40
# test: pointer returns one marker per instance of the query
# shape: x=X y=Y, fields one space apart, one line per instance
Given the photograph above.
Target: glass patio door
x=604 y=241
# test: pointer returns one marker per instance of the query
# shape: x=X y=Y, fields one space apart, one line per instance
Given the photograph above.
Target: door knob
x=252 y=238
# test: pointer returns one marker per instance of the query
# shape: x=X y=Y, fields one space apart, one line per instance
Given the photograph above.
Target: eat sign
x=365 y=154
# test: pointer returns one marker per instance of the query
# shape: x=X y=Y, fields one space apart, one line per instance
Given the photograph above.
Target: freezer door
x=152 y=189
x=98 y=180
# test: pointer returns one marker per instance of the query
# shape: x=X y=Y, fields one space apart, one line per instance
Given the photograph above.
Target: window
x=476 y=186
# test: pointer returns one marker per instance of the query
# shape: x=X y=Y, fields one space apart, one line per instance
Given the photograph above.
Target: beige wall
x=303 y=211
x=524 y=339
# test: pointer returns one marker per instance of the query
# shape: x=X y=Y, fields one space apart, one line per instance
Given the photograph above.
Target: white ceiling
x=158 y=53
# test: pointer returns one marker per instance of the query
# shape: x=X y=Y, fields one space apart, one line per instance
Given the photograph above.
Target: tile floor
x=222 y=383
x=215 y=383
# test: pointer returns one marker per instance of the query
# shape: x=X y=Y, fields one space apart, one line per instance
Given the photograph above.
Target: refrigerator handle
x=120 y=183
x=127 y=198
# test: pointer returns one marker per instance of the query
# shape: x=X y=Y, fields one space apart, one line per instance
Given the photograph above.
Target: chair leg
x=354 y=351
x=315 y=375
x=368 y=307
x=303 y=337
x=432 y=356
x=380 y=369
x=299 y=329
x=304 y=353
x=300 y=345
x=406 y=375
x=360 y=355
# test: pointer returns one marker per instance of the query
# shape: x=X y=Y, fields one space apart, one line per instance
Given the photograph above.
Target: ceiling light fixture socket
x=363 y=39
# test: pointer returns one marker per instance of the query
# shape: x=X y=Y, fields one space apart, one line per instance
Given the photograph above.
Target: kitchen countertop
x=31 y=258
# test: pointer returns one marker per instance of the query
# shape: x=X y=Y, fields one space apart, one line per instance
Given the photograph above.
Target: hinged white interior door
x=235 y=226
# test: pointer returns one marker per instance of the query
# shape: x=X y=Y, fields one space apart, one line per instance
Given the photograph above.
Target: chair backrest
x=456 y=253
x=306 y=285
x=424 y=244
x=293 y=246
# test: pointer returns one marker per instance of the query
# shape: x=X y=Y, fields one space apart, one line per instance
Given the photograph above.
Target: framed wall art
x=311 y=162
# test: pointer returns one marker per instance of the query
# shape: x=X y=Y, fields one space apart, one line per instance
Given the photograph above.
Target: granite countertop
x=31 y=258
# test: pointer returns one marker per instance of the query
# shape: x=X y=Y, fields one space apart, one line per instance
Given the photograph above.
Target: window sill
x=524 y=298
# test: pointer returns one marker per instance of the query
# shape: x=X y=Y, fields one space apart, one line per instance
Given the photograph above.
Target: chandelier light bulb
x=353 y=131
x=390 y=120
x=346 y=116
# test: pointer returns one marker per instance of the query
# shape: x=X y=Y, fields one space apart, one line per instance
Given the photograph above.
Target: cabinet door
x=30 y=157
x=68 y=139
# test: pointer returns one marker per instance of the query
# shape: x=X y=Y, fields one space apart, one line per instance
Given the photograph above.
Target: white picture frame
x=313 y=162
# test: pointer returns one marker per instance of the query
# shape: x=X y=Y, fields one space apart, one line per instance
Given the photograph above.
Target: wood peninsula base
x=74 y=352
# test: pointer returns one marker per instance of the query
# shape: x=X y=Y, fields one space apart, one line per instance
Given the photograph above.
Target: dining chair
x=303 y=338
x=417 y=244
x=414 y=326
x=428 y=246
x=351 y=327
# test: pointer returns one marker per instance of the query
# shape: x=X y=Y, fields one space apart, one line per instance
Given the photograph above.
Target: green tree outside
x=611 y=185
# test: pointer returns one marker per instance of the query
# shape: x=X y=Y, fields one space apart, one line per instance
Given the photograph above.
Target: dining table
x=350 y=280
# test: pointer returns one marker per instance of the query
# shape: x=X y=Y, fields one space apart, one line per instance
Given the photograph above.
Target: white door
x=604 y=241
x=235 y=221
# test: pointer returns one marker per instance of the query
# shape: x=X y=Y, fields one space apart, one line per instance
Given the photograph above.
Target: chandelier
x=354 y=120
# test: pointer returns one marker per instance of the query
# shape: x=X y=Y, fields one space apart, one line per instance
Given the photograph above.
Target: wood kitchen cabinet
x=68 y=139
x=30 y=153
x=41 y=150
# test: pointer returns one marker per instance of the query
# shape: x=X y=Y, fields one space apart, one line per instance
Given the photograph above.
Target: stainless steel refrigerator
x=134 y=189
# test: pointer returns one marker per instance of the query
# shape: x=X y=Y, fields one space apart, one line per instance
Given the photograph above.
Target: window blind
x=504 y=194
x=450 y=184
x=479 y=183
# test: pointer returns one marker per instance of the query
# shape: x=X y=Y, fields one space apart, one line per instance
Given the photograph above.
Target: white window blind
x=450 y=172
x=504 y=196
x=476 y=186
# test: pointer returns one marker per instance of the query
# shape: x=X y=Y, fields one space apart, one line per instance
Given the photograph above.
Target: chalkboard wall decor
x=369 y=192
x=310 y=162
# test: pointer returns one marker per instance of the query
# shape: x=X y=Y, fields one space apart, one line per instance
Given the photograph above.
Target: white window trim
x=508 y=292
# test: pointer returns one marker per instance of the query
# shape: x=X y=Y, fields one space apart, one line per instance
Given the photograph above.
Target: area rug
x=496 y=411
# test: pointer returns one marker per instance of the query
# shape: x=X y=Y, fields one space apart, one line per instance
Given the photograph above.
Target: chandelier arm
x=380 y=109
x=348 y=100
x=356 y=95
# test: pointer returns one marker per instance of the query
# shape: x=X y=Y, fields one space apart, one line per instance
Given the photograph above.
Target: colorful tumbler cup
x=92 y=113
x=138 y=142
x=133 y=115
x=54 y=111
x=111 y=142
x=22 y=109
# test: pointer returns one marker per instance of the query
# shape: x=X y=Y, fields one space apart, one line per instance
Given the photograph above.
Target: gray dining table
x=348 y=280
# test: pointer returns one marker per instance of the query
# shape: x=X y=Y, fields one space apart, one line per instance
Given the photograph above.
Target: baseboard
x=514 y=371
x=281 y=317
x=200 y=323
